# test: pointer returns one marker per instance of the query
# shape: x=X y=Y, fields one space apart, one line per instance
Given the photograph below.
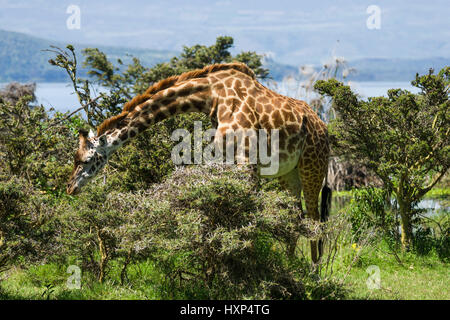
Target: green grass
x=345 y=193
x=441 y=194
x=417 y=278
x=143 y=283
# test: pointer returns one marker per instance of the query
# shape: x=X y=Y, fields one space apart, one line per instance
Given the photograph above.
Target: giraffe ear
x=91 y=133
x=82 y=135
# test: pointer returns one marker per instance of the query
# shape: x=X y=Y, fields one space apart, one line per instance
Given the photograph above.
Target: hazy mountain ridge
x=382 y=69
x=22 y=59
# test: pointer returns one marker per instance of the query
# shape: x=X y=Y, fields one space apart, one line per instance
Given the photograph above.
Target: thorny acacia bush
x=209 y=232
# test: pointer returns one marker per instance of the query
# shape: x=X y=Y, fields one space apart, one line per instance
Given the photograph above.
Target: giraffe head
x=89 y=159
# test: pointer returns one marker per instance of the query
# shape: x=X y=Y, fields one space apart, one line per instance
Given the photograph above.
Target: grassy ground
x=415 y=278
x=50 y=282
x=407 y=276
x=410 y=276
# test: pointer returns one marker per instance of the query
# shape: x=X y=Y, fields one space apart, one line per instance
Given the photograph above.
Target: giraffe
x=234 y=100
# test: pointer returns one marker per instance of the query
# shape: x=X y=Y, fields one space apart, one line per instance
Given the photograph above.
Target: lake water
x=60 y=95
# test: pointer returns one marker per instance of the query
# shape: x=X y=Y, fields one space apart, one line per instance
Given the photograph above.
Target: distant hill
x=22 y=60
x=372 y=69
x=379 y=69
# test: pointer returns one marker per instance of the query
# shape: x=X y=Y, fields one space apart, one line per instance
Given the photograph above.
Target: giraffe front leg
x=291 y=182
x=312 y=178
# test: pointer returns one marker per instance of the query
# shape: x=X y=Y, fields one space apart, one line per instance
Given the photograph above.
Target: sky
x=291 y=32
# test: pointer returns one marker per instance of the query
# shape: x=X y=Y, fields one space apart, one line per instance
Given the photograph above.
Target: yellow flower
x=356 y=247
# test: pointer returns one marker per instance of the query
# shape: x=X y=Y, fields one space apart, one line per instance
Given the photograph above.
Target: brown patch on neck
x=167 y=83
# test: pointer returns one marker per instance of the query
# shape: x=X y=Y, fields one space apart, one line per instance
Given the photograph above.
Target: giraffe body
x=234 y=100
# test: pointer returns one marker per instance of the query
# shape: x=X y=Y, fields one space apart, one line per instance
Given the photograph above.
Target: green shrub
x=223 y=235
x=33 y=144
x=369 y=208
x=209 y=233
x=88 y=230
x=432 y=235
x=25 y=222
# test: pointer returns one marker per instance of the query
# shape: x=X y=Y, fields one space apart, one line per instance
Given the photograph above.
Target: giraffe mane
x=166 y=83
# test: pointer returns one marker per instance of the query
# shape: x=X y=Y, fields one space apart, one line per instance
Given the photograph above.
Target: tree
x=402 y=138
x=145 y=160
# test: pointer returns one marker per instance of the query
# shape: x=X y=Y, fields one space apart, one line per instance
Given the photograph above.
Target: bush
x=432 y=235
x=224 y=235
x=31 y=150
x=89 y=230
x=209 y=233
x=25 y=223
x=32 y=146
x=369 y=209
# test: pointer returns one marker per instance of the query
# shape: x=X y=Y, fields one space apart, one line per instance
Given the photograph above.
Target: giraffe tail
x=325 y=203
x=325 y=206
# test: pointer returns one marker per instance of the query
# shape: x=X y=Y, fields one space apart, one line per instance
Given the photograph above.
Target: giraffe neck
x=191 y=96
